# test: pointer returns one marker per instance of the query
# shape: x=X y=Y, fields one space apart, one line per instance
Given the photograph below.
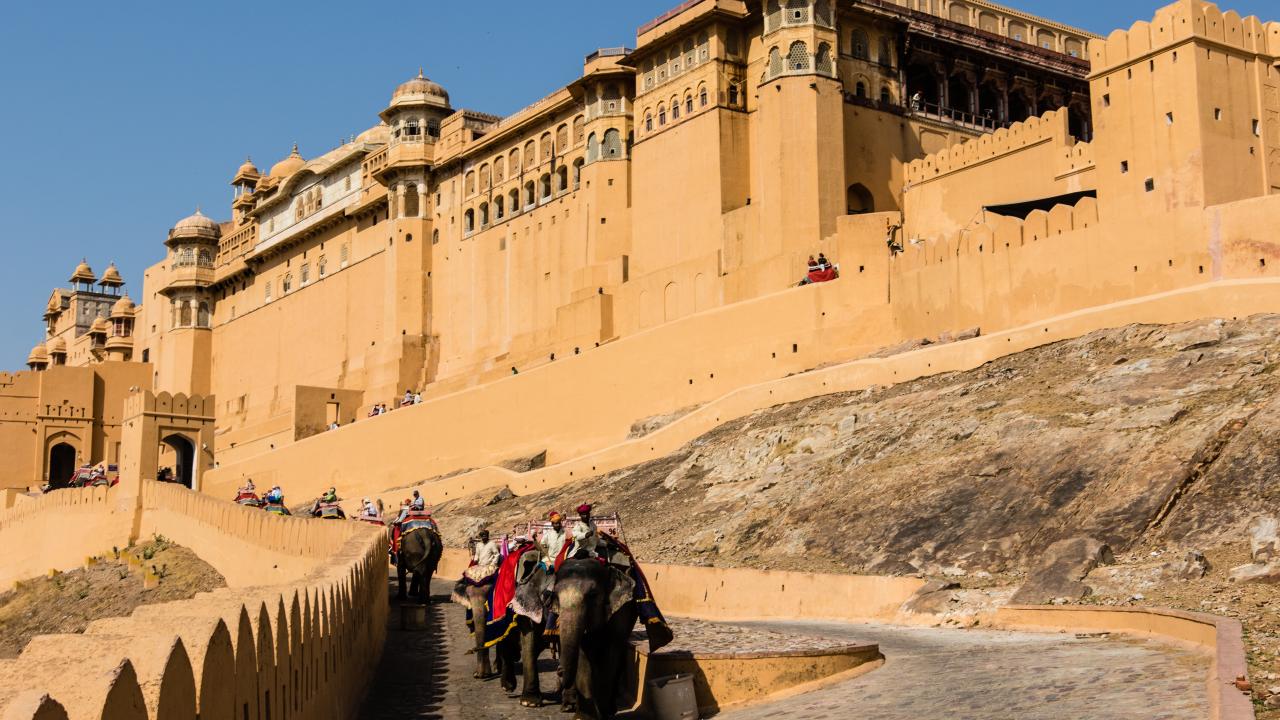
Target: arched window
x=514 y=201
x=286 y=286
x=305 y=273
x=798 y=57
x=202 y=318
x=547 y=147
x=499 y=170
x=859 y=45
x=530 y=198
x=702 y=96
x=435 y=237
x=184 y=313
x=579 y=129
x=593 y=145
x=675 y=108
x=485 y=177
x=662 y=115
x=514 y=162
x=688 y=104
x=859 y=200
x=577 y=173
x=469 y=187
x=544 y=184
x=205 y=258
x=885 y=56
x=860 y=90
x=411 y=208
x=612 y=144
x=433 y=127
x=648 y=121
x=562 y=138
x=469 y=221
x=562 y=176
x=530 y=155
x=824 y=60
x=497 y=208
x=885 y=96
x=775 y=62
x=484 y=215
x=772 y=16
x=733 y=95
x=322 y=266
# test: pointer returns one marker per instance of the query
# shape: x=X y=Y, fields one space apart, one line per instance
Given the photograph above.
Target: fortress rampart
x=1179 y=22
x=296 y=633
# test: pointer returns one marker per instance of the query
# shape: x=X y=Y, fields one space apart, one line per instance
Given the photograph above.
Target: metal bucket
x=413 y=617
x=673 y=698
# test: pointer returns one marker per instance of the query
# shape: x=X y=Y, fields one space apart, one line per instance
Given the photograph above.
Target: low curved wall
x=303 y=644
x=1221 y=637
x=58 y=531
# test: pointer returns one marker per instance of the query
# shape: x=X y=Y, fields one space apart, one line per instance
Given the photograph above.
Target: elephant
x=529 y=606
x=420 y=552
x=597 y=612
x=476 y=597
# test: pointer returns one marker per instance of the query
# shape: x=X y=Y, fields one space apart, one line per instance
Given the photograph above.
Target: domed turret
x=57 y=346
x=83 y=274
x=38 y=358
x=247 y=168
x=289 y=165
x=420 y=90
x=196 y=227
x=124 y=308
x=99 y=326
x=111 y=277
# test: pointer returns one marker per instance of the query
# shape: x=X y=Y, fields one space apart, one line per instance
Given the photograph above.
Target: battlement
x=1177 y=23
x=1050 y=127
x=163 y=403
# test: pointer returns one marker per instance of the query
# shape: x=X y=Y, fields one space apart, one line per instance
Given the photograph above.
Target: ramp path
x=962 y=674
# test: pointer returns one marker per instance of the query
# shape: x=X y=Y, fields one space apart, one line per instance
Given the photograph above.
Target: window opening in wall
x=1217 y=113
x=1257 y=128
x=1106 y=100
x=1150 y=184
x=1124 y=166
x=1168 y=118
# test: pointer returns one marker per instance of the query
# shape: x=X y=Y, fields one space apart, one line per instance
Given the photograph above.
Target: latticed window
x=689 y=54
x=797 y=12
x=822 y=13
x=886 y=53
x=775 y=62
x=267 y=291
x=305 y=273
x=824 y=59
x=593 y=145
x=579 y=129
x=515 y=162
x=859 y=45
x=704 y=47
x=546 y=146
x=286 y=285
x=485 y=179
x=798 y=56
x=562 y=138
x=344 y=256
x=612 y=144
x=322 y=266
x=772 y=16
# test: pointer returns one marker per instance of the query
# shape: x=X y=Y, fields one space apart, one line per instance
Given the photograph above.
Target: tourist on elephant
x=585 y=535
x=418 y=503
x=369 y=511
x=552 y=540
x=485 y=554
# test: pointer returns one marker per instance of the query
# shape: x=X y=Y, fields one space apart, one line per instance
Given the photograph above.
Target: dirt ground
x=68 y=602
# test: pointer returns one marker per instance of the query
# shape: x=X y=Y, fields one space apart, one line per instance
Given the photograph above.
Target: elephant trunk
x=572 y=627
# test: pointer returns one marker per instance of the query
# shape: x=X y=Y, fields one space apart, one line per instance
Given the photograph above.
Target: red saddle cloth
x=821 y=276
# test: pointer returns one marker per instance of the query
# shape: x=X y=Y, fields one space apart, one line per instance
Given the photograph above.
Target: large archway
x=62 y=463
x=184 y=460
x=858 y=200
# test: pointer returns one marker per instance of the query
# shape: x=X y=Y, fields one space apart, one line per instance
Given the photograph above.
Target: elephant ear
x=622 y=590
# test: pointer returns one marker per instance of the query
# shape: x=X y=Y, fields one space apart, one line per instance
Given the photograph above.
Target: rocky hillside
x=1151 y=440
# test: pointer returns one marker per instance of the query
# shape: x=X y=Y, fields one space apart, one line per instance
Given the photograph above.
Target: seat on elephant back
x=330 y=511
x=248 y=499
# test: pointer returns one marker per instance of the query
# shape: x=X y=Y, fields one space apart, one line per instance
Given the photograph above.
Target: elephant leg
x=484 y=671
x=508 y=649
x=530 y=647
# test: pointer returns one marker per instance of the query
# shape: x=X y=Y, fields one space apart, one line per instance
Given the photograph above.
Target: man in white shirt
x=585 y=535
x=553 y=539
x=486 y=552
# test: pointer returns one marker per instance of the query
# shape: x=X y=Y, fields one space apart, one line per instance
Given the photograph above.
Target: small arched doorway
x=184 y=460
x=62 y=463
x=859 y=201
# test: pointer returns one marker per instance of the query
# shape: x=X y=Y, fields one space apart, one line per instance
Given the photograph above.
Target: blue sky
x=119 y=118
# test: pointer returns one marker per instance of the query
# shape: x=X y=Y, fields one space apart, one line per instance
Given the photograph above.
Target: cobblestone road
x=933 y=674
x=987 y=675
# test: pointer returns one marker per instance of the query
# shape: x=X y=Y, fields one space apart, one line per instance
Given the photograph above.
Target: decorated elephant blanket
x=499 y=619
x=659 y=632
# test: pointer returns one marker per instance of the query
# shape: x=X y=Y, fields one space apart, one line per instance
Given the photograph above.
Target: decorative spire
x=420 y=75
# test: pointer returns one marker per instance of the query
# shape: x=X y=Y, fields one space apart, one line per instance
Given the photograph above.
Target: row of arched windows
x=678 y=59
x=672 y=110
x=501 y=206
x=609 y=149
x=307 y=203
x=860 y=48
x=862 y=89
x=495 y=172
x=798 y=60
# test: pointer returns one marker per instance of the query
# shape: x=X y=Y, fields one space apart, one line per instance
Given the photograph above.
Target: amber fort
x=631 y=246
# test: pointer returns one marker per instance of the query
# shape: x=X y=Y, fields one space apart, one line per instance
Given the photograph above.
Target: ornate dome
x=247 y=168
x=83 y=273
x=57 y=346
x=420 y=91
x=99 y=326
x=124 y=307
x=39 y=355
x=111 y=276
x=198 y=226
x=377 y=134
x=289 y=165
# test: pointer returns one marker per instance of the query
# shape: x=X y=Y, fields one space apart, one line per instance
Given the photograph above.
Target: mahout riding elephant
x=528 y=640
x=597 y=611
x=420 y=552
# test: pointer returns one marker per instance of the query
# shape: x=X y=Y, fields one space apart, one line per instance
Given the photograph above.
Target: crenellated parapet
x=1050 y=127
x=178 y=405
x=1181 y=21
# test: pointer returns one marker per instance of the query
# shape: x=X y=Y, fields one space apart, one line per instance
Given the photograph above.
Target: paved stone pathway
x=989 y=675
x=954 y=674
